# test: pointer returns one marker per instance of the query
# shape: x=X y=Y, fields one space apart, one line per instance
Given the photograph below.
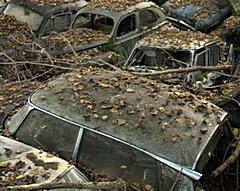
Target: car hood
x=74 y=40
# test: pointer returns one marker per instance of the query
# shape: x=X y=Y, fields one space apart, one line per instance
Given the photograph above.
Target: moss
x=107 y=47
x=202 y=76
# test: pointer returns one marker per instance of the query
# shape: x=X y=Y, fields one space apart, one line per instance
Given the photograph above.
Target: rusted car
x=112 y=26
x=22 y=164
x=43 y=18
x=173 y=49
x=147 y=133
x=197 y=15
x=23 y=23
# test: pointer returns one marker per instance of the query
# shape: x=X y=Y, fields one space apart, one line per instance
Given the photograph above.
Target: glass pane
x=98 y=22
x=24 y=15
x=147 y=18
x=58 y=23
x=113 y=158
x=127 y=25
x=42 y=130
x=214 y=55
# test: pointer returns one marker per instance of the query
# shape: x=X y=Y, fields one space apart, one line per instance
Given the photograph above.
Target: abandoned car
x=24 y=22
x=111 y=26
x=149 y=134
x=173 y=49
x=21 y=164
x=197 y=15
x=43 y=18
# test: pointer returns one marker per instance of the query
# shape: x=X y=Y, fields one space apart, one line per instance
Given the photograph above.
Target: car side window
x=57 y=23
x=214 y=56
x=147 y=17
x=50 y=133
x=127 y=25
x=113 y=158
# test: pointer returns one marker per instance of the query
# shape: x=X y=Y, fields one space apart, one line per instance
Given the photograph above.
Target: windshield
x=24 y=15
x=153 y=58
x=93 y=21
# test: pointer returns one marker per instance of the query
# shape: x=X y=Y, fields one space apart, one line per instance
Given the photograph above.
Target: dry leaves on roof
x=204 y=12
x=177 y=39
x=114 y=5
x=52 y=2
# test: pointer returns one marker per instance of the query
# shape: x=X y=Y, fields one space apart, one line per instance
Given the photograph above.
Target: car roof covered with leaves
x=158 y=118
x=115 y=9
x=23 y=164
x=175 y=39
x=48 y=7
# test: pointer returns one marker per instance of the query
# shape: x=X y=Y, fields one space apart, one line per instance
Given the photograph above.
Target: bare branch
x=182 y=70
x=79 y=185
x=230 y=160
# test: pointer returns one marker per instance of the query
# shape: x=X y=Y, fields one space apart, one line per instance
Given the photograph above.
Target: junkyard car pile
x=141 y=131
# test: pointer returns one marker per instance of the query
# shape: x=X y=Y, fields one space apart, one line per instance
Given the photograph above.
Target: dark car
x=120 y=125
x=23 y=23
x=112 y=26
x=43 y=18
x=197 y=15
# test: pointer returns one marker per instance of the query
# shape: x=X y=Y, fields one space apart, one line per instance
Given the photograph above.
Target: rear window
x=48 y=132
x=97 y=22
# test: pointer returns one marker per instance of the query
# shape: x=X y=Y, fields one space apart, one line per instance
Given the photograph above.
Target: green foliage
x=107 y=47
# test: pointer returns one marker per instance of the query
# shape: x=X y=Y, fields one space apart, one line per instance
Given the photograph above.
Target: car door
x=133 y=27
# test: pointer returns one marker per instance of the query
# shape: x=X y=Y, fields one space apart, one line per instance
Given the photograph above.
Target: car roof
x=153 y=116
x=175 y=39
x=115 y=11
x=47 y=8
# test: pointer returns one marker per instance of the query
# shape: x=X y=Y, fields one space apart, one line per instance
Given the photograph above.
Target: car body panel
x=33 y=165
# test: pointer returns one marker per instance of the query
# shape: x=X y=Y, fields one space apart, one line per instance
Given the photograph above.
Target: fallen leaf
x=128 y=90
x=95 y=116
x=104 y=117
x=1 y=98
x=71 y=79
x=121 y=121
x=235 y=131
x=161 y=109
x=179 y=120
x=148 y=187
x=154 y=112
x=21 y=176
x=3 y=164
x=35 y=171
x=123 y=167
x=174 y=139
x=136 y=184
x=104 y=85
x=114 y=110
x=8 y=152
x=46 y=175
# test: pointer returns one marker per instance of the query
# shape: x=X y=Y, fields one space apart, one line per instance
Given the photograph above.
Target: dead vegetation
x=114 y=5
